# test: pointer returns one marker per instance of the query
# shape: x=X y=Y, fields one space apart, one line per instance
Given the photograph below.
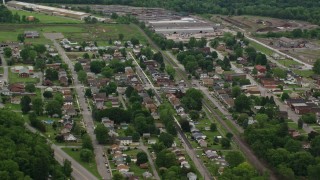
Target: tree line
x=25 y=155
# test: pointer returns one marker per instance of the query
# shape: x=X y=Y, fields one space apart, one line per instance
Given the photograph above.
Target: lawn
x=1 y=70
x=261 y=48
x=293 y=125
x=14 y=78
x=304 y=73
x=91 y=167
x=288 y=62
x=47 y=19
x=100 y=33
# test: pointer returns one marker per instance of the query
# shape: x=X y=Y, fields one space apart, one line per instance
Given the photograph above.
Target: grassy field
x=261 y=48
x=14 y=78
x=92 y=167
x=101 y=33
x=304 y=73
x=288 y=62
x=47 y=19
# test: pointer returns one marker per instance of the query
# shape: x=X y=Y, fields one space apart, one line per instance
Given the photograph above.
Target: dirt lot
x=266 y=24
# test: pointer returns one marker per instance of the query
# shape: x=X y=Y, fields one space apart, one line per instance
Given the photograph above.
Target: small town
x=129 y=92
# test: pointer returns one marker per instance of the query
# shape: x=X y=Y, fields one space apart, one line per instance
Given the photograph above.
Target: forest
x=307 y=10
x=25 y=155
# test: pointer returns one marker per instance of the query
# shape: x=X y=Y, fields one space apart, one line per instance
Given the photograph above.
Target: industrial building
x=48 y=10
x=184 y=25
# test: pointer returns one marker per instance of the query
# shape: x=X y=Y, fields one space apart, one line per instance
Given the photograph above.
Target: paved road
x=243 y=146
x=306 y=65
x=79 y=173
x=87 y=117
x=282 y=106
x=5 y=69
x=145 y=149
x=198 y=163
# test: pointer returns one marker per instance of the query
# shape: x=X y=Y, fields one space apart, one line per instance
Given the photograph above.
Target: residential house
x=124 y=141
x=146 y=135
x=144 y=166
x=67 y=100
x=207 y=82
x=152 y=141
x=123 y=168
x=191 y=176
x=70 y=138
x=203 y=143
x=15 y=100
x=269 y=83
x=63 y=79
x=147 y=175
x=219 y=70
x=231 y=77
x=31 y=34
x=261 y=69
x=24 y=72
x=16 y=88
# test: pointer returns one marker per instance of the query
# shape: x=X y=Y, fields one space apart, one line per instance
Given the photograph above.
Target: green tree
x=315 y=146
x=309 y=118
x=213 y=127
x=82 y=76
x=117 y=176
x=67 y=169
x=121 y=36
x=135 y=137
x=300 y=123
x=107 y=72
x=285 y=172
x=293 y=145
x=37 y=106
x=86 y=56
x=314 y=172
x=30 y=87
x=192 y=99
x=88 y=93
x=171 y=71
x=242 y=103
x=166 y=139
x=285 y=96
x=102 y=134
x=21 y=37
x=236 y=91
x=141 y=158
x=234 y=158
x=25 y=104
x=53 y=107
x=7 y=52
x=96 y=66
x=86 y=155
x=78 y=67
x=185 y=126
x=166 y=158
x=316 y=67
x=86 y=142
x=225 y=143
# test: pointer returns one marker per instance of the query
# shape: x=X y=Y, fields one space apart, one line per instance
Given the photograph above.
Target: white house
x=124 y=141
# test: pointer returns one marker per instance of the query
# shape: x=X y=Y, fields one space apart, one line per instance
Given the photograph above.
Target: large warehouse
x=48 y=10
x=184 y=25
